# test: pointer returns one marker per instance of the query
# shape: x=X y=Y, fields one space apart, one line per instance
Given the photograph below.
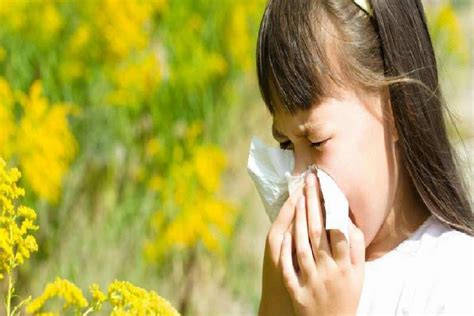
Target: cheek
x=362 y=166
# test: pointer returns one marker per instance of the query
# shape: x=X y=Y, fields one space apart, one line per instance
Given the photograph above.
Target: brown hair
x=390 y=49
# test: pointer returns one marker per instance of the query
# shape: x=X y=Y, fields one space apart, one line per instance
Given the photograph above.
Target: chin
x=368 y=235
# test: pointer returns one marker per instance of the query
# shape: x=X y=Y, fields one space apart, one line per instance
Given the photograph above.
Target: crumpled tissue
x=270 y=169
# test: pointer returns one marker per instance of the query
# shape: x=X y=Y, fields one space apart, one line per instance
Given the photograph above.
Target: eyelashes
x=286 y=145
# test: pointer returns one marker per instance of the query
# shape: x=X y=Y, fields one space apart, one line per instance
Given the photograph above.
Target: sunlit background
x=130 y=123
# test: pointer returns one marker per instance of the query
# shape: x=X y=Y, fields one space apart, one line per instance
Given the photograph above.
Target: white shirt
x=430 y=273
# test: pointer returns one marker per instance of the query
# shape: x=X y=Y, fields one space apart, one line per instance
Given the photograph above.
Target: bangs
x=295 y=41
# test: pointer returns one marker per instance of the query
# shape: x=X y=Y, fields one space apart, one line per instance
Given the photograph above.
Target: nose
x=303 y=159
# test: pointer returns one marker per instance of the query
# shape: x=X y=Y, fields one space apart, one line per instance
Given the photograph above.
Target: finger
x=286 y=215
x=282 y=223
x=316 y=227
x=290 y=278
x=291 y=230
x=339 y=247
x=357 y=245
x=303 y=248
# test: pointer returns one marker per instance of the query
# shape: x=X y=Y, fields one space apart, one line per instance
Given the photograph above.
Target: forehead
x=347 y=110
x=323 y=107
x=320 y=116
x=314 y=113
x=300 y=124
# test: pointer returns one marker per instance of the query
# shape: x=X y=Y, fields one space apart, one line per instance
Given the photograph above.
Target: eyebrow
x=279 y=135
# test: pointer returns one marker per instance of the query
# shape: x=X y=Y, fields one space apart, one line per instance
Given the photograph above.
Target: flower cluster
x=16 y=244
x=17 y=222
x=40 y=139
x=35 y=19
x=82 y=80
x=123 y=298
x=47 y=146
x=446 y=29
x=128 y=299
x=72 y=295
x=195 y=213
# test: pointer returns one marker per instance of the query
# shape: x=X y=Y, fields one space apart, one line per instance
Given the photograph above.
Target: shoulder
x=448 y=260
x=437 y=237
x=448 y=242
x=446 y=248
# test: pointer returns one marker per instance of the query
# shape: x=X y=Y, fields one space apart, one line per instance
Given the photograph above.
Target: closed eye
x=286 y=145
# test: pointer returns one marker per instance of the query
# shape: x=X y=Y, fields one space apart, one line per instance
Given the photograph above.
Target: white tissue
x=270 y=169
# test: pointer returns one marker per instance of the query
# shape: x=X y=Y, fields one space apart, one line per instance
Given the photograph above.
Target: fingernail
x=310 y=180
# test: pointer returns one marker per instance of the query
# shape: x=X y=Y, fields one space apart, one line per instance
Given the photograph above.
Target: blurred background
x=131 y=123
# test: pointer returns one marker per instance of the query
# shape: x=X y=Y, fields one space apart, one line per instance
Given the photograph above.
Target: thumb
x=357 y=245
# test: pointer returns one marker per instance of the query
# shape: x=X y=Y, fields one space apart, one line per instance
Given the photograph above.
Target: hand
x=331 y=275
x=275 y=298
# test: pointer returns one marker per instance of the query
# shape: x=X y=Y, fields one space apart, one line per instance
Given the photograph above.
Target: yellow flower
x=192 y=212
x=128 y=299
x=72 y=69
x=12 y=15
x=156 y=183
x=122 y=24
x=37 y=19
x=447 y=31
x=16 y=222
x=79 y=39
x=153 y=147
x=40 y=140
x=239 y=39
x=51 y=20
x=456 y=41
x=44 y=143
x=135 y=81
x=69 y=292
x=194 y=130
x=217 y=64
x=98 y=297
x=209 y=162
x=7 y=122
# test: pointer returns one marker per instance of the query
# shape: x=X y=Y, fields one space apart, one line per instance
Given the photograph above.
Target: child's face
x=359 y=152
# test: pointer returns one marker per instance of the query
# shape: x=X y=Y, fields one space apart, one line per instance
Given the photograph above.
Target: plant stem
x=26 y=300
x=190 y=268
x=9 y=294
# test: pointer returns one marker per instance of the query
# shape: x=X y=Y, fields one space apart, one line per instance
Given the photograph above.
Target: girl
x=353 y=86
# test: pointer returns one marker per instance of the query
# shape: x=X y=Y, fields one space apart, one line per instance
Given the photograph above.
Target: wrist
x=263 y=308
x=269 y=307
